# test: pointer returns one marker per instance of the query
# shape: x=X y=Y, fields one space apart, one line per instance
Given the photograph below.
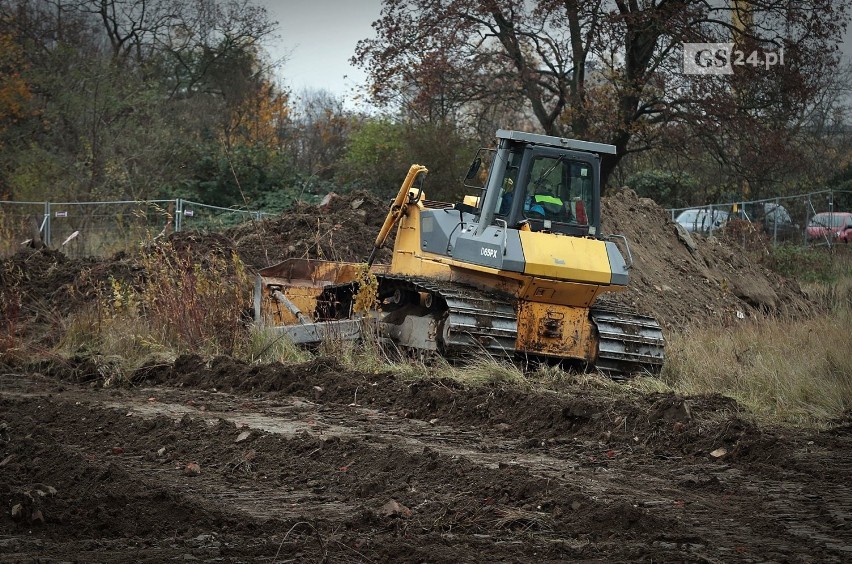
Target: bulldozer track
x=474 y=320
x=627 y=341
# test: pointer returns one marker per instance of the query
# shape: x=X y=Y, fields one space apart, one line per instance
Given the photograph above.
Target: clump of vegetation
x=266 y=345
x=195 y=305
x=183 y=305
x=808 y=264
x=485 y=368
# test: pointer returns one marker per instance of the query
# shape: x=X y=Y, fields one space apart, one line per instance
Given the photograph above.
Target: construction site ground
x=217 y=460
x=229 y=462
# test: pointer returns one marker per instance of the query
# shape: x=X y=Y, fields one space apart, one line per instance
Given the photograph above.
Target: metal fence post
x=178 y=215
x=46 y=235
x=807 y=221
x=777 y=214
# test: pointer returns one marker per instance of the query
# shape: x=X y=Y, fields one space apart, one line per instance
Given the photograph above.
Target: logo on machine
x=488 y=252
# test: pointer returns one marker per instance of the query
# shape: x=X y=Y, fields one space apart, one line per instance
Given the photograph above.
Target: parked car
x=702 y=220
x=774 y=218
x=831 y=226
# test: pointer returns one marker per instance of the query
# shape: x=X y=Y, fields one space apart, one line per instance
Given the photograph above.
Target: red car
x=830 y=226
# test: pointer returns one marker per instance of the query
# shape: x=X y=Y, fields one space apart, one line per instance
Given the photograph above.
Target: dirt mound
x=343 y=229
x=682 y=279
x=36 y=285
x=199 y=244
x=685 y=279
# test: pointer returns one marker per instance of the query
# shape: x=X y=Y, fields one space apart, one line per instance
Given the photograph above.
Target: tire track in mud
x=335 y=465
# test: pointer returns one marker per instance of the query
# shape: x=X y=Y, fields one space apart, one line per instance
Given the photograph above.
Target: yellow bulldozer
x=515 y=269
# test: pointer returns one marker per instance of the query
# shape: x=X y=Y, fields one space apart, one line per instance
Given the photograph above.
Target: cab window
x=559 y=190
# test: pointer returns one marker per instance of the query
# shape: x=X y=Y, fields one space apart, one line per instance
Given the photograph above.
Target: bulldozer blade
x=315 y=333
x=285 y=294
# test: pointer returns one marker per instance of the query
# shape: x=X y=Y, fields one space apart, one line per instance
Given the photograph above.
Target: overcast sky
x=317 y=38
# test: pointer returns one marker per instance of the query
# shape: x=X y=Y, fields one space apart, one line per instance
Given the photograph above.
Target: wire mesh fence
x=103 y=228
x=204 y=217
x=815 y=218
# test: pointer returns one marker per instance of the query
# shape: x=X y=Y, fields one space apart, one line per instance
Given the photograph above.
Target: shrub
x=807 y=264
x=196 y=305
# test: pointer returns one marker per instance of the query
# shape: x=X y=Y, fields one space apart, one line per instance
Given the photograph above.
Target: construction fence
x=815 y=218
x=103 y=228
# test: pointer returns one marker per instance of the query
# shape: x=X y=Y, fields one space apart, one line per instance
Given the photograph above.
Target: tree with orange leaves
x=14 y=92
x=260 y=117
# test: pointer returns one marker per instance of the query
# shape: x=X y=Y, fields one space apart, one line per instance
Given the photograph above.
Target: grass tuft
x=485 y=368
x=266 y=345
x=124 y=343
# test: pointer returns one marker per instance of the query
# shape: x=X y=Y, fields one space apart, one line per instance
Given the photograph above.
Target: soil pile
x=41 y=282
x=681 y=279
x=343 y=229
x=685 y=279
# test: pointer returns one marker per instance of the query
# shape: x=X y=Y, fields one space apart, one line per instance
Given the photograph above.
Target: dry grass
x=196 y=304
x=485 y=368
x=556 y=378
x=370 y=355
x=265 y=345
x=781 y=370
x=522 y=520
x=183 y=305
x=834 y=296
x=122 y=343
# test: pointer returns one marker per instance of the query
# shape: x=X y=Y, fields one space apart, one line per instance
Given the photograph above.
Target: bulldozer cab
x=540 y=183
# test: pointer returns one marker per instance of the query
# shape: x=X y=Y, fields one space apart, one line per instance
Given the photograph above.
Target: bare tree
x=607 y=70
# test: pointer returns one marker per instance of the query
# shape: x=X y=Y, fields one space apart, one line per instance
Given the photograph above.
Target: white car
x=702 y=220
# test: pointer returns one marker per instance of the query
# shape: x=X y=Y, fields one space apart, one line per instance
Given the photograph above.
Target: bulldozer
x=514 y=270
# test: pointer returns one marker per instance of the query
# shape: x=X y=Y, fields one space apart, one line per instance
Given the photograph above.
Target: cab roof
x=551 y=141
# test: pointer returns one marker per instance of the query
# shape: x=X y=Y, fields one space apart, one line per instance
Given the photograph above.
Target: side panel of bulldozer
x=429 y=239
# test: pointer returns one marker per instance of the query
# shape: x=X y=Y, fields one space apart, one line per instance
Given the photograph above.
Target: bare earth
x=313 y=463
